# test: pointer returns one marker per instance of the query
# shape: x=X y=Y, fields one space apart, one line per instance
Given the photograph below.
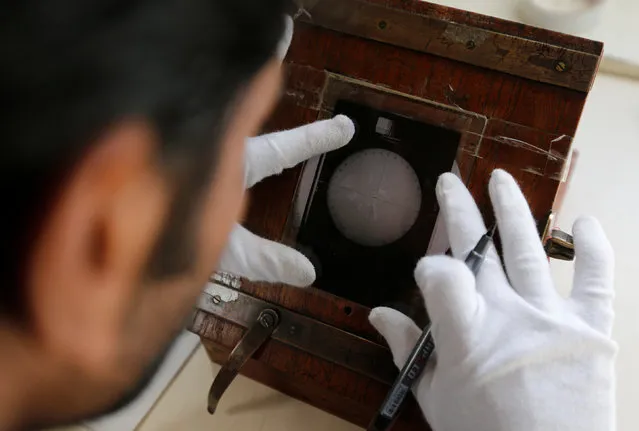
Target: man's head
x=123 y=127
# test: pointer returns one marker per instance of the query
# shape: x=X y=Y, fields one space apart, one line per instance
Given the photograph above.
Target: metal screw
x=561 y=66
x=267 y=319
x=470 y=44
x=382 y=25
x=216 y=299
x=292 y=330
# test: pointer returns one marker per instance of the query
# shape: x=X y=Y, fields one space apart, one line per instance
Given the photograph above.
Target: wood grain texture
x=509 y=122
x=491 y=49
x=478 y=90
x=494 y=24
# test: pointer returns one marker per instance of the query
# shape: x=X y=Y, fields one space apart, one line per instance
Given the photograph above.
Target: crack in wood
x=518 y=143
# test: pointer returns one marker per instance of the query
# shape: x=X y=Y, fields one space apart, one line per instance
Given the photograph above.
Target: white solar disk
x=374 y=197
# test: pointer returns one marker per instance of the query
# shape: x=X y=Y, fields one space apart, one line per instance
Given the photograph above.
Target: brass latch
x=560 y=245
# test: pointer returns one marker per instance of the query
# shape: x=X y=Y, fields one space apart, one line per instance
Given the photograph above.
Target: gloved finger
x=464 y=223
x=285 y=40
x=399 y=331
x=592 y=291
x=270 y=154
x=451 y=299
x=401 y=334
x=260 y=259
x=524 y=256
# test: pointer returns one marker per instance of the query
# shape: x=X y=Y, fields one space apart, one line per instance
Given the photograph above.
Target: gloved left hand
x=259 y=259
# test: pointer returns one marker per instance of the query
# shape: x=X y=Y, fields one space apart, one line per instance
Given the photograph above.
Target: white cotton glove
x=259 y=259
x=511 y=356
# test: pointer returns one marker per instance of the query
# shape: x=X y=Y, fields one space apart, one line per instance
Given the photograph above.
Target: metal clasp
x=560 y=245
x=255 y=337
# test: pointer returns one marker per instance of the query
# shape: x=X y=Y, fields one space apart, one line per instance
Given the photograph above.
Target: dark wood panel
x=441 y=80
x=539 y=190
x=523 y=148
x=495 y=24
x=490 y=49
x=304 y=85
x=330 y=309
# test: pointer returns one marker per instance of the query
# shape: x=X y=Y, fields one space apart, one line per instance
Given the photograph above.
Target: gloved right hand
x=511 y=354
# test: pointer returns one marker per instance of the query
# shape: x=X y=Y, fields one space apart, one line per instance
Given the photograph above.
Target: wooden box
x=506 y=95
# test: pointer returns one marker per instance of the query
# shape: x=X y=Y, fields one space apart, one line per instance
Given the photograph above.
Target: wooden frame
x=484 y=47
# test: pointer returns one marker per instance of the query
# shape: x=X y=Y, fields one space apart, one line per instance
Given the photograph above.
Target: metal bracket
x=255 y=337
x=304 y=333
x=560 y=245
x=265 y=320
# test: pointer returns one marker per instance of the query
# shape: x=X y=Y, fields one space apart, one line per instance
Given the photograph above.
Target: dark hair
x=70 y=68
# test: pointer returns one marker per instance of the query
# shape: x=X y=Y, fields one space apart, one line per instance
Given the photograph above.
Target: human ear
x=87 y=262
